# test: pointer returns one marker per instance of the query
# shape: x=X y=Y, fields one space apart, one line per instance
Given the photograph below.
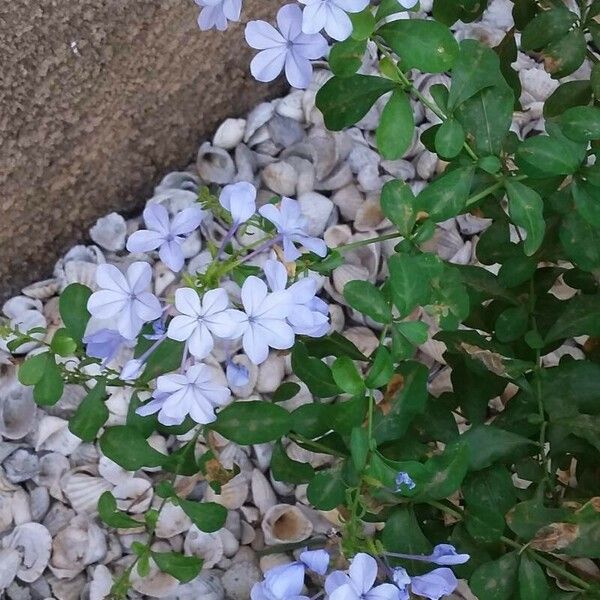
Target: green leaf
x=413 y=40
x=496 y=580
x=595 y=80
x=286 y=391
x=347 y=376
x=32 y=370
x=346 y=100
x=359 y=447
x=398 y=204
x=311 y=420
x=581 y=242
x=252 y=422
x=486 y=118
x=183 y=568
x=543 y=155
x=446 y=196
x=327 y=490
x=108 y=512
x=528 y=517
x=565 y=55
x=334 y=344
x=587 y=202
x=363 y=24
x=381 y=370
x=526 y=210
x=49 y=389
x=476 y=68
x=463 y=10
x=72 y=306
x=512 y=323
x=346 y=57
x=314 y=372
x=546 y=27
x=489 y=445
x=285 y=469
x=63 y=344
x=367 y=299
x=344 y=416
x=580 y=317
x=414 y=331
x=566 y=95
x=396 y=126
x=580 y=123
x=532 y=580
x=129 y=449
x=166 y=358
x=449 y=139
x=91 y=414
x=206 y=516
x=445 y=472
x=584 y=426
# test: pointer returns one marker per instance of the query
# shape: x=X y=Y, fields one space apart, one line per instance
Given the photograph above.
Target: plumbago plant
x=510 y=501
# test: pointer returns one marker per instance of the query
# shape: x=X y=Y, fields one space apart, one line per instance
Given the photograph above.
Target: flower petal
x=139 y=276
x=147 y=307
x=386 y=591
x=268 y=64
x=311 y=46
x=260 y=35
x=170 y=253
x=108 y=277
x=255 y=346
x=169 y=384
x=335 y=580
x=182 y=327
x=314 y=17
x=187 y=220
x=316 y=560
x=276 y=275
x=290 y=252
x=144 y=240
x=298 y=70
x=129 y=323
x=435 y=584
x=338 y=24
x=345 y=592
x=254 y=292
x=353 y=6
x=201 y=342
x=156 y=217
x=240 y=200
x=187 y=301
x=316 y=245
x=289 y=21
x=105 y=304
x=272 y=214
x=363 y=571
x=214 y=301
x=232 y=9
x=229 y=324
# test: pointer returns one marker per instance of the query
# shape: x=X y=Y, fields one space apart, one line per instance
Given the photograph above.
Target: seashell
x=336 y=179
x=245 y=163
x=51 y=469
x=258 y=543
x=362 y=156
x=24 y=322
x=58 y=516
x=77 y=271
x=75 y=547
x=337 y=235
x=21 y=465
x=230 y=133
x=207 y=586
x=207 y=546
x=172 y=521
x=364 y=339
x=67 y=589
x=262 y=137
x=54 y=436
x=251 y=514
x=118 y=405
x=321 y=524
x=101 y=583
x=155 y=584
x=336 y=317
x=214 y=164
x=83 y=490
x=263 y=454
x=311 y=113
x=314 y=459
x=291 y=106
x=17 y=305
x=257 y=117
x=109 y=232
x=17 y=408
x=270 y=561
x=244 y=391
x=317 y=210
x=369 y=217
x=285 y=131
x=239 y=579
x=322 y=150
x=305 y=172
x=400 y=169
x=229 y=542
x=348 y=200
x=42 y=290
x=270 y=374
x=6 y=513
x=281 y=488
x=68 y=403
x=174 y=200
x=39 y=500
x=134 y=495
x=426 y=165
x=281 y=178
x=434 y=349
x=21 y=507
x=343 y=274
x=233 y=493
x=178 y=180
x=248 y=534
x=163 y=278
x=263 y=496
x=33 y=542
x=10 y=561
x=284 y=524
x=112 y=472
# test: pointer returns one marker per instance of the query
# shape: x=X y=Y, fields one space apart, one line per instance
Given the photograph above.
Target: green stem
x=374 y=240
x=296 y=437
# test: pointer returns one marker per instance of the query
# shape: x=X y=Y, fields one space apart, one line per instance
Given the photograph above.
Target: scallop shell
x=214 y=164
x=239 y=579
x=51 y=469
x=42 y=290
x=112 y=472
x=54 y=436
x=34 y=542
x=17 y=305
x=207 y=546
x=263 y=496
x=6 y=513
x=172 y=521
x=9 y=565
x=21 y=507
x=17 y=409
x=233 y=493
x=207 y=586
x=134 y=495
x=67 y=589
x=230 y=133
x=318 y=211
x=291 y=106
x=284 y=524
x=84 y=490
x=58 y=517
x=229 y=542
x=156 y=584
x=101 y=583
x=109 y=232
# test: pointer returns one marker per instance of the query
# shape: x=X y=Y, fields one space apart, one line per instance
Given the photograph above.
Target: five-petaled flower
x=103 y=344
x=240 y=200
x=200 y=320
x=165 y=234
x=217 y=13
x=195 y=393
x=291 y=226
x=125 y=298
x=289 y=48
x=435 y=584
x=331 y=16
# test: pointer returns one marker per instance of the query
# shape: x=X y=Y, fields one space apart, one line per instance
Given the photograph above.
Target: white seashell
x=101 y=583
x=257 y=117
x=251 y=514
x=112 y=472
x=281 y=178
x=229 y=542
x=337 y=235
x=118 y=405
x=369 y=217
x=245 y=163
x=230 y=133
x=338 y=178
x=21 y=465
x=321 y=524
x=172 y=521
x=336 y=317
x=364 y=339
x=270 y=561
x=247 y=534
x=233 y=493
x=75 y=547
x=66 y=589
x=178 y=180
x=109 y=232
x=400 y=169
x=348 y=200
x=21 y=507
x=263 y=454
x=263 y=496
x=10 y=560
x=314 y=459
x=17 y=408
x=51 y=469
x=239 y=579
x=24 y=322
x=84 y=490
x=270 y=374
x=33 y=542
x=343 y=274
x=17 y=305
x=305 y=172
x=207 y=546
x=283 y=524
x=281 y=488
x=174 y=200
x=39 y=500
x=214 y=164
x=134 y=495
x=362 y=156
x=244 y=391
x=291 y=106
x=156 y=584
x=317 y=210
x=207 y=586
x=284 y=131
x=470 y=224
x=58 y=517
x=77 y=271
x=6 y=512
x=262 y=137
x=42 y=290
x=426 y=164
x=54 y=436
x=163 y=278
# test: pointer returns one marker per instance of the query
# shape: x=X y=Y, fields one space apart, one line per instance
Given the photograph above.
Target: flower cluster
x=296 y=41
x=359 y=582
x=268 y=314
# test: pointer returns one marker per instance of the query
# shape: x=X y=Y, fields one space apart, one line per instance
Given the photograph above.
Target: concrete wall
x=98 y=99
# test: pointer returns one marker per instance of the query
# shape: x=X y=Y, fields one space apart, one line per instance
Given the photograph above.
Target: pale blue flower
x=240 y=200
x=407 y=3
x=216 y=13
x=125 y=298
x=132 y=369
x=237 y=375
x=281 y=583
x=442 y=554
x=315 y=560
x=402 y=579
x=309 y=314
x=291 y=226
x=331 y=16
x=435 y=584
x=165 y=234
x=104 y=344
x=287 y=48
x=158 y=330
x=404 y=479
